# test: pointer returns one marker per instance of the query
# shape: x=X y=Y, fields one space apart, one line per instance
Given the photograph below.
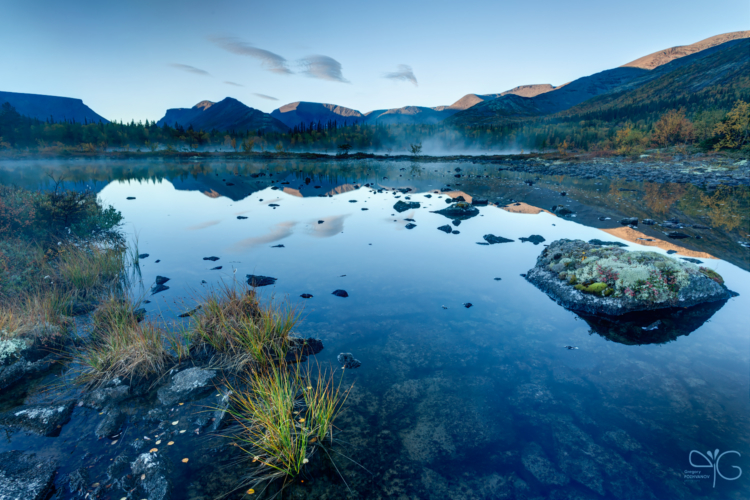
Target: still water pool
x=450 y=401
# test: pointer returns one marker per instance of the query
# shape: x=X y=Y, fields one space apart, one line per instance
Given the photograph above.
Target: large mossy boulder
x=612 y=281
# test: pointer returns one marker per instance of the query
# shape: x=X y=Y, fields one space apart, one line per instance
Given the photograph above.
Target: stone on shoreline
x=25 y=477
x=492 y=239
x=44 y=420
x=611 y=281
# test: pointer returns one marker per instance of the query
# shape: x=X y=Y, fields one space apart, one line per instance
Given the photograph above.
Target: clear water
x=450 y=402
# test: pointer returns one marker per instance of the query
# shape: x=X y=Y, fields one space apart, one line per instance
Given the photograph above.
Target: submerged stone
x=410 y=226
x=306 y=296
x=158 y=289
x=347 y=360
x=611 y=281
x=340 y=293
x=160 y=280
x=212 y=258
x=446 y=229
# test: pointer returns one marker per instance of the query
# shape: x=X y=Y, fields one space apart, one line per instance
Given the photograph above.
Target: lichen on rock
x=611 y=280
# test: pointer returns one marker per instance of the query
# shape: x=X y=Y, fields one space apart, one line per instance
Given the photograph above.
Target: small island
x=609 y=280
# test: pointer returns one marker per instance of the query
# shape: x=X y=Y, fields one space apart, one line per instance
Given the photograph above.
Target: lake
x=466 y=388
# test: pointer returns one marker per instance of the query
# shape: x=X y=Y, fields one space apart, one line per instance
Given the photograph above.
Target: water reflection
x=652 y=327
x=450 y=402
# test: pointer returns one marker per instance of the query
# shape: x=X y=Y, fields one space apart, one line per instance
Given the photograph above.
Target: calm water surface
x=450 y=402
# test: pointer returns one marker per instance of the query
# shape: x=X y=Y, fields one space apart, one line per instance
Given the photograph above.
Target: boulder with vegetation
x=608 y=280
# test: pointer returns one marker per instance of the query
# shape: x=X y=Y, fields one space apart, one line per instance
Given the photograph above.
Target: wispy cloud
x=190 y=69
x=323 y=67
x=264 y=96
x=234 y=84
x=270 y=61
x=404 y=73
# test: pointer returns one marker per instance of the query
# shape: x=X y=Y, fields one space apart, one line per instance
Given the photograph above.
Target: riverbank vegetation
x=627 y=130
x=62 y=254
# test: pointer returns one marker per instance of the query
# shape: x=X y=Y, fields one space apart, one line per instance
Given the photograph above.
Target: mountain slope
x=715 y=77
x=661 y=57
x=295 y=113
x=409 y=115
x=43 y=107
x=228 y=114
x=563 y=97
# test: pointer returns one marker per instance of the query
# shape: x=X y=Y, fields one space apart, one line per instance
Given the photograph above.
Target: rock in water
x=160 y=280
x=403 y=207
x=155 y=471
x=446 y=229
x=460 y=211
x=629 y=221
x=212 y=258
x=347 y=360
x=534 y=238
x=25 y=477
x=492 y=239
x=612 y=281
x=340 y=293
x=606 y=243
x=187 y=384
x=306 y=296
x=256 y=280
x=241 y=217
x=158 y=288
x=410 y=226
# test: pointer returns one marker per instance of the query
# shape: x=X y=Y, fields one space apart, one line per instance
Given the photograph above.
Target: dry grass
x=90 y=268
x=122 y=347
x=240 y=331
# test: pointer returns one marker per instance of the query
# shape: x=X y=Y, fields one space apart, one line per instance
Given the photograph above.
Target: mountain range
x=44 y=107
x=225 y=115
x=717 y=62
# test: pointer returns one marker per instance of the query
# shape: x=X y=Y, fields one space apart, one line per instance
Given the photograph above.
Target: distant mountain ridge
x=43 y=107
x=295 y=113
x=661 y=57
x=225 y=115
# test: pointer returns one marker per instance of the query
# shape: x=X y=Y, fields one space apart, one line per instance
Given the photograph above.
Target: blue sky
x=134 y=59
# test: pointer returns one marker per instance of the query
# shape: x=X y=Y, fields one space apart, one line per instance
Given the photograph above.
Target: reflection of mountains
x=652 y=327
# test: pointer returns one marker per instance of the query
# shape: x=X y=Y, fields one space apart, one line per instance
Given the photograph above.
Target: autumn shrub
x=673 y=128
x=733 y=132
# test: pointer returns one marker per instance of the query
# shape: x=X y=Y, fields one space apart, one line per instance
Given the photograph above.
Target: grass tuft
x=284 y=417
x=122 y=347
x=243 y=334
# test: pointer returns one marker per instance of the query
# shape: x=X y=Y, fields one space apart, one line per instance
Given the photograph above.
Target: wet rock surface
x=45 y=420
x=156 y=485
x=24 y=476
x=186 y=385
